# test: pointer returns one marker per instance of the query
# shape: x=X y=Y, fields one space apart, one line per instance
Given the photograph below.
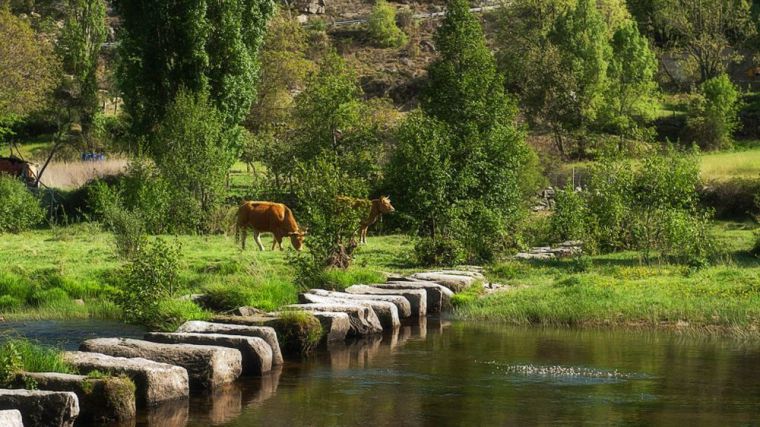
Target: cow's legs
x=363 y=235
x=243 y=235
x=275 y=240
x=257 y=238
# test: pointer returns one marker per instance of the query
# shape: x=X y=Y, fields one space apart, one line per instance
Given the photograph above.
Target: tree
x=710 y=32
x=198 y=45
x=82 y=36
x=382 y=26
x=28 y=70
x=713 y=115
x=631 y=90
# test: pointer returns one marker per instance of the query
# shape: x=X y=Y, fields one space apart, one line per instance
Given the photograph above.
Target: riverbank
x=72 y=272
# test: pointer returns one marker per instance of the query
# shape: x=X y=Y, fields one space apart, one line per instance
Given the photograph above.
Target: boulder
x=256 y=354
x=154 y=382
x=11 y=418
x=363 y=319
x=335 y=325
x=266 y=333
x=402 y=304
x=294 y=337
x=417 y=297
x=385 y=311
x=42 y=408
x=207 y=366
x=438 y=297
x=101 y=400
x=455 y=282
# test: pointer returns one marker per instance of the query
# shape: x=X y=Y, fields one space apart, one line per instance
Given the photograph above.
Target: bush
x=713 y=115
x=20 y=210
x=146 y=193
x=17 y=355
x=127 y=226
x=438 y=252
x=569 y=219
x=150 y=278
x=382 y=26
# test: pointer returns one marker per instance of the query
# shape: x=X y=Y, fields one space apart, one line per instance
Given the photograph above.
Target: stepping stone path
x=206 y=355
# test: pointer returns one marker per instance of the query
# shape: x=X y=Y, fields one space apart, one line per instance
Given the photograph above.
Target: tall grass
x=74 y=174
x=733 y=164
x=19 y=354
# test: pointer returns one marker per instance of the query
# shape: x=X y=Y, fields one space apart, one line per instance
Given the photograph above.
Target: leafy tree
x=198 y=45
x=709 y=32
x=631 y=90
x=713 y=115
x=382 y=26
x=28 y=70
x=20 y=210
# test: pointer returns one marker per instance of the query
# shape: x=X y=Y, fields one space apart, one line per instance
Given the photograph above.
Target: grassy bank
x=618 y=290
x=73 y=272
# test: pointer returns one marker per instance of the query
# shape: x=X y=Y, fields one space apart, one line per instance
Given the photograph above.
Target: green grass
x=17 y=354
x=617 y=289
x=727 y=165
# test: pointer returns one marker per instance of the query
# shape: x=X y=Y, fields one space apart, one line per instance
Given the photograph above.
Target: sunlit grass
x=732 y=164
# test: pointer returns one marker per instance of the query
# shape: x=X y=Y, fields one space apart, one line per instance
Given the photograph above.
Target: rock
x=455 y=282
x=42 y=408
x=532 y=256
x=11 y=418
x=101 y=400
x=248 y=311
x=266 y=333
x=402 y=304
x=417 y=297
x=155 y=382
x=335 y=325
x=255 y=352
x=438 y=297
x=207 y=366
x=295 y=336
x=302 y=19
x=363 y=319
x=78 y=301
x=385 y=311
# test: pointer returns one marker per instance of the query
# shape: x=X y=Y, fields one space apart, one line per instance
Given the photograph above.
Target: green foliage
x=199 y=46
x=267 y=294
x=49 y=297
x=147 y=194
x=19 y=209
x=298 y=331
x=127 y=226
x=194 y=155
x=569 y=219
x=713 y=115
x=17 y=355
x=382 y=26
x=170 y=313
x=442 y=251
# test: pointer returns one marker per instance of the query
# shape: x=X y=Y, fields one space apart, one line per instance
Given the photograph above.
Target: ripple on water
x=570 y=375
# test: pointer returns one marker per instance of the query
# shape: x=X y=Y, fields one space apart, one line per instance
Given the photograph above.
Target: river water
x=456 y=373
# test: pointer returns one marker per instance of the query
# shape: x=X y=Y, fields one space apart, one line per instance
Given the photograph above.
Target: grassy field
x=722 y=166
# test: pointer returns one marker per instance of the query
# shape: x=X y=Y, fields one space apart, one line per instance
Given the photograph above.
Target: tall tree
x=710 y=32
x=198 y=45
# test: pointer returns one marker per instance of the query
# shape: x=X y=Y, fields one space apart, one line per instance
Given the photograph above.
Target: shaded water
x=442 y=373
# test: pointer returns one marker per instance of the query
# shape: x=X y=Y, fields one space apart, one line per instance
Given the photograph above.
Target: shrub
x=440 y=251
x=20 y=210
x=382 y=26
x=569 y=219
x=145 y=192
x=127 y=226
x=713 y=115
x=17 y=355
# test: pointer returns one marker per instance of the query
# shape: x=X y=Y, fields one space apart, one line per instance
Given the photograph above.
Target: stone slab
x=455 y=282
x=363 y=319
x=385 y=311
x=42 y=408
x=266 y=333
x=11 y=418
x=402 y=304
x=417 y=297
x=335 y=325
x=438 y=297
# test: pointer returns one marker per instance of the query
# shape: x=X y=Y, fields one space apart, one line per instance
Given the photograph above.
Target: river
x=459 y=373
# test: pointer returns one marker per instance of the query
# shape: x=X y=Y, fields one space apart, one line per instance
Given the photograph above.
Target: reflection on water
x=455 y=373
x=68 y=334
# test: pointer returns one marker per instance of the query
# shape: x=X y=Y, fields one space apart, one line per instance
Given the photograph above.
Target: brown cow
x=20 y=169
x=269 y=217
x=754 y=73
x=377 y=208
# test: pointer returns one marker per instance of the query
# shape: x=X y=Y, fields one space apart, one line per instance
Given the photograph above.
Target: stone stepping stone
x=266 y=333
x=417 y=297
x=402 y=304
x=438 y=297
x=207 y=366
x=101 y=400
x=42 y=408
x=455 y=282
x=385 y=311
x=335 y=325
x=255 y=352
x=362 y=318
x=155 y=382
x=11 y=418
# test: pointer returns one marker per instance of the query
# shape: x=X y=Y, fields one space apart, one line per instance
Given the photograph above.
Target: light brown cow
x=754 y=73
x=377 y=209
x=20 y=169
x=269 y=217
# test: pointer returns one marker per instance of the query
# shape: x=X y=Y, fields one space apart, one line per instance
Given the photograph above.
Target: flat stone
x=207 y=366
x=438 y=297
x=11 y=418
x=267 y=333
x=256 y=354
x=532 y=256
x=335 y=325
x=402 y=304
x=101 y=400
x=155 y=382
x=385 y=311
x=42 y=408
x=363 y=319
x=455 y=282
x=417 y=297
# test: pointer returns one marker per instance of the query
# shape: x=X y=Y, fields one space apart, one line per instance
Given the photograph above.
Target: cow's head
x=297 y=237
x=385 y=205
